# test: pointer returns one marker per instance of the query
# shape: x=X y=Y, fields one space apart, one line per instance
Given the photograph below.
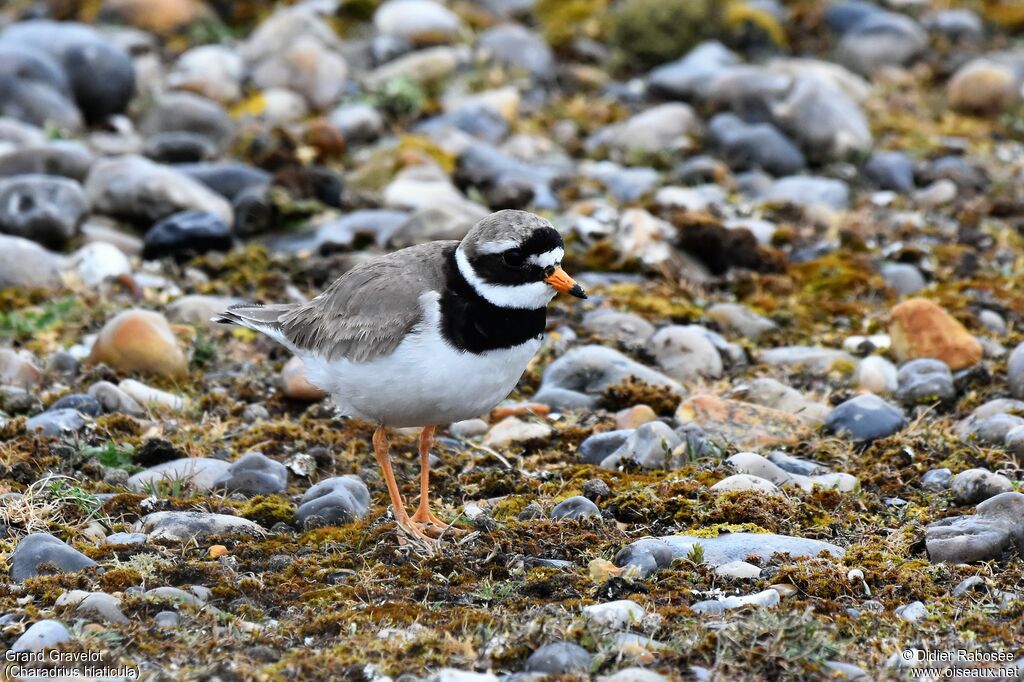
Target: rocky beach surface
x=782 y=439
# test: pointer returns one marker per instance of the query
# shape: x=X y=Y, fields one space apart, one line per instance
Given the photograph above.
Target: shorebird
x=427 y=335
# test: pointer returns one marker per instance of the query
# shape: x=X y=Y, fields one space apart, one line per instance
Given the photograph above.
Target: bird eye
x=513 y=258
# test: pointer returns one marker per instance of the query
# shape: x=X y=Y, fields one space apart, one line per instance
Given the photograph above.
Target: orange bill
x=561 y=282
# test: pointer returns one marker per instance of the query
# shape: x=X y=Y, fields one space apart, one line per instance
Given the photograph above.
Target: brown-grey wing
x=367 y=311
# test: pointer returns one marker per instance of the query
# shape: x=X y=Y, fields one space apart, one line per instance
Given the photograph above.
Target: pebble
x=921 y=329
x=754 y=145
x=1015 y=372
x=892 y=171
x=468 y=428
x=93 y=605
x=182 y=526
x=650 y=554
x=738 y=319
x=513 y=431
x=588 y=370
x=777 y=395
x=994 y=527
x=254 y=474
x=214 y=71
x=937 y=480
x=925 y=381
x=745 y=482
x=574 y=508
x=764 y=599
x=559 y=658
x=753 y=464
x=140 y=341
x=25 y=264
x=903 y=277
x=912 y=612
x=455 y=675
x=865 y=418
x=113 y=399
x=627 y=328
x=82 y=402
x=983 y=86
x=44 y=208
x=19 y=368
x=597 y=446
x=185 y=235
x=418 y=21
x=42 y=548
x=337 y=500
x=743 y=425
x=663 y=126
x=812 y=358
x=126 y=539
x=136 y=189
x=977 y=485
x=877 y=375
x=56 y=422
x=166 y=620
x=685 y=353
x=651 y=445
x=807 y=191
x=740 y=570
x=41 y=635
x=197 y=473
x=879 y=40
x=614 y=615
x=519 y=48
x=690 y=76
x=153 y=398
x=187 y=112
x=100 y=262
x=633 y=675
x=633 y=417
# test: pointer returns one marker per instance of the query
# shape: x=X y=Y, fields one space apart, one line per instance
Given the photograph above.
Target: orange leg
x=423 y=516
x=380 y=449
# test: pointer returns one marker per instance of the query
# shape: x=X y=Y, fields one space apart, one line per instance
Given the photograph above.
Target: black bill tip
x=577 y=291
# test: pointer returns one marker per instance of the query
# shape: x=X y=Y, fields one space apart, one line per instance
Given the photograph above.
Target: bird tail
x=265 y=319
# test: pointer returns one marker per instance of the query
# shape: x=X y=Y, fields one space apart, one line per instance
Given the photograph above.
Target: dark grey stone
x=43 y=208
x=559 y=658
x=576 y=507
x=42 y=548
x=865 y=418
x=337 y=500
x=186 y=234
x=924 y=381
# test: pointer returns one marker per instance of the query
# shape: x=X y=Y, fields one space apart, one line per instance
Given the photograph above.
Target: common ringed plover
x=427 y=335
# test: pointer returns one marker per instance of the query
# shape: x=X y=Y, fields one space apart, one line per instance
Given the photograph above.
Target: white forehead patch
x=499 y=246
x=552 y=257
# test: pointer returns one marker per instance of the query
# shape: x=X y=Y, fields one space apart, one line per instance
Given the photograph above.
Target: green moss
x=562 y=21
x=652 y=32
x=267 y=510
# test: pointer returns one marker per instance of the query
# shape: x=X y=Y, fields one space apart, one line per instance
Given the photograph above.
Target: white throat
x=525 y=296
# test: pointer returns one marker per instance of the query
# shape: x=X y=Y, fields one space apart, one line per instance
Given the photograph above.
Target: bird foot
x=433 y=526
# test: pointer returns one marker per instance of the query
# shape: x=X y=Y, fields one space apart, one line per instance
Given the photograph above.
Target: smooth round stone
x=418 y=21
x=892 y=171
x=612 y=325
x=44 y=634
x=166 y=620
x=650 y=445
x=1014 y=443
x=921 y=329
x=745 y=482
x=469 y=428
x=685 y=352
x=197 y=309
x=43 y=208
x=982 y=86
x=738 y=569
x=992 y=321
x=614 y=615
x=980 y=537
x=67 y=158
x=187 y=234
x=574 y=508
x=994 y=430
x=977 y=485
x=82 y=402
x=359 y=123
x=754 y=145
x=181 y=526
x=227 y=178
x=153 y=398
x=140 y=341
x=19 y=368
x=596 y=447
x=113 y=399
x=958 y=25
x=925 y=381
x=1015 y=372
x=517 y=47
x=844 y=15
x=633 y=674
x=559 y=658
x=865 y=418
x=23 y=263
x=337 y=500
x=690 y=76
x=658 y=128
x=178 y=147
x=215 y=71
x=767 y=598
x=625 y=184
x=42 y=548
x=512 y=430
x=142 y=191
x=877 y=375
x=808 y=191
x=912 y=612
x=881 y=39
x=903 y=277
x=99 y=72
x=189 y=113
x=591 y=369
x=937 y=480
x=254 y=474
x=126 y=539
x=197 y=473
x=738 y=319
x=94 y=605
x=99 y=262
x=56 y=422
